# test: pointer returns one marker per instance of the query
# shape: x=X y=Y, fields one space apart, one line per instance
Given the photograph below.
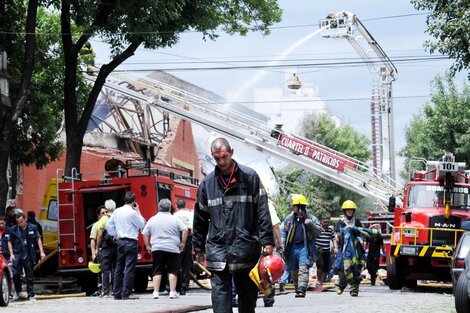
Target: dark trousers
x=221 y=296
x=186 y=264
x=27 y=265
x=372 y=267
x=108 y=266
x=125 y=267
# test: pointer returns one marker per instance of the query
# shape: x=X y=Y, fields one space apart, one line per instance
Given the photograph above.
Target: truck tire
x=395 y=277
x=462 y=301
x=5 y=288
x=411 y=283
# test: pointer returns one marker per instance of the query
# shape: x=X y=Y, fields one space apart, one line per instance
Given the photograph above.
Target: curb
x=182 y=309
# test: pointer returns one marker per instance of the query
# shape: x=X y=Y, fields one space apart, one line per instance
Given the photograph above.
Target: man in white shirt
x=186 y=216
x=125 y=224
x=165 y=245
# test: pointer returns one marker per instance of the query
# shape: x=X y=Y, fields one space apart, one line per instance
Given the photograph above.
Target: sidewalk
x=194 y=300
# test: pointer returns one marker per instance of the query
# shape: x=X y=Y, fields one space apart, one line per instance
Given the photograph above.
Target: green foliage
x=443 y=125
x=448 y=22
x=325 y=198
x=158 y=23
x=36 y=134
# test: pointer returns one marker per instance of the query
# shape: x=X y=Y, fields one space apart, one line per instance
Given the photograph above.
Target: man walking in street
x=187 y=217
x=125 y=224
x=325 y=241
x=298 y=234
x=231 y=225
x=351 y=255
x=21 y=245
x=165 y=245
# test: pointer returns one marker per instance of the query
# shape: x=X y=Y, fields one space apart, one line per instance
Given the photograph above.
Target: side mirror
x=391 y=204
x=465 y=225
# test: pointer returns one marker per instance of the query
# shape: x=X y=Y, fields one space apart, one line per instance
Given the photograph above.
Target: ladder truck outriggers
x=345 y=25
x=427 y=226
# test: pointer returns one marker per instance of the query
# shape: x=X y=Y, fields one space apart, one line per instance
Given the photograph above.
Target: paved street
x=371 y=299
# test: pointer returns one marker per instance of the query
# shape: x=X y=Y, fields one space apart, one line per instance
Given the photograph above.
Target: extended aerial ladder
x=344 y=25
x=301 y=152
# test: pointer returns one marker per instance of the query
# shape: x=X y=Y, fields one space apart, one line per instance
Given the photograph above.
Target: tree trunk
x=74 y=142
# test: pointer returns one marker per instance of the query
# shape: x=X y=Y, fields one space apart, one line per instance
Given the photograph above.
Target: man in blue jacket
x=298 y=235
x=22 y=238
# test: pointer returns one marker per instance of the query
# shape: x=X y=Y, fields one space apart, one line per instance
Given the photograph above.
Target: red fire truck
x=78 y=199
x=427 y=227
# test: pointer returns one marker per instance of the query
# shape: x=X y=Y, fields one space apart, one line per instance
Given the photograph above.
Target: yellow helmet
x=94 y=267
x=348 y=205
x=299 y=199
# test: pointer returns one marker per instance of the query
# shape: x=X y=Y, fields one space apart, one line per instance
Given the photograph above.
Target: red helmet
x=267 y=271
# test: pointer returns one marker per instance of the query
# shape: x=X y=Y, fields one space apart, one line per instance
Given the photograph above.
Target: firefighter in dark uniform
x=231 y=225
x=22 y=239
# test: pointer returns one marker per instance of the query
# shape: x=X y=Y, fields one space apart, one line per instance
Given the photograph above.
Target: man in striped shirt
x=324 y=243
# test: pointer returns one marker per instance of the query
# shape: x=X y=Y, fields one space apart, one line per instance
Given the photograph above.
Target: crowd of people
x=113 y=243
x=232 y=226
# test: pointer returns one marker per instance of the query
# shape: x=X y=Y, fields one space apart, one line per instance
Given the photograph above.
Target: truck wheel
x=141 y=281
x=411 y=283
x=5 y=288
x=462 y=301
x=394 y=274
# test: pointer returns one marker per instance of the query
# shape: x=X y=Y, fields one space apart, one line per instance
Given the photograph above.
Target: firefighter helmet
x=267 y=271
x=299 y=199
x=94 y=267
x=348 y=205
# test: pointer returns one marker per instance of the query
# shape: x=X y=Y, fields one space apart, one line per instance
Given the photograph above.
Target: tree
x=448 y=22
x=126 y=25
x=443 y=125
x=325 y=197
x=123 y=25
x=10 y=23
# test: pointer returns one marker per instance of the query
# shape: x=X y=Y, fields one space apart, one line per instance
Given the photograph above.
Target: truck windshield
x=432 y=196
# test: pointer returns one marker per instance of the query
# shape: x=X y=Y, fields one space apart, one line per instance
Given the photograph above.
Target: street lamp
x=294 y=82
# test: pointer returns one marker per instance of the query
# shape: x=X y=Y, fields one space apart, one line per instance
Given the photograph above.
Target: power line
x=296 y=65
x=202 y=61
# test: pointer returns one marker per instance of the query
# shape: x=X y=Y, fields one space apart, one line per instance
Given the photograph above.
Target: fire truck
x=72 y=211
x=427 y=226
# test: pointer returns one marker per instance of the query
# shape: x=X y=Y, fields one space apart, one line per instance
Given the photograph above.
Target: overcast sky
x=396 y=25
